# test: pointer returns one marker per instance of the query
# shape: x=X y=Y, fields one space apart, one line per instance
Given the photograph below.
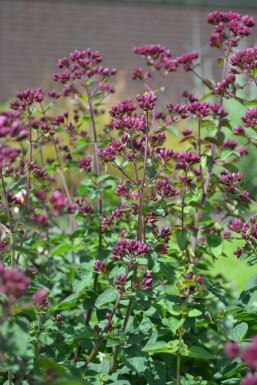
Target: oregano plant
x=109 y=231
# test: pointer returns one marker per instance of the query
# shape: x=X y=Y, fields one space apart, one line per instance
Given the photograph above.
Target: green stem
x=179 y=356
x=9 y=377
x=28 y=186
x=100 y=339
x=65 y=185
x=11 y=226
x=38 y=335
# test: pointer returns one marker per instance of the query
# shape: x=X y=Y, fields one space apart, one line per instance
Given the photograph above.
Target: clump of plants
x=108 y=234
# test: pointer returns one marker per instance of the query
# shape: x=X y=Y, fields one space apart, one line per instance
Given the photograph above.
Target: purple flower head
x=187 y=60
x=12 y=283
x=177 y=111
x=245 y=60
x=130 y=247
x=137 y=74
x=249 y=379
x=218 y=110
x=105 y=222
x=152 y=51
x=80 y=65
x=238 y=130
x=8 y=154
x=58 y=200
x=146 y=101
x=165 y=233
x=187 y=132
x=238 y=252
x=229 y=28
x=157 y=58
x=243 y=150
x=185 y=159
x=157 y=139
x=165 y=154
x=120 y=280
x=165 y=190
x=39 y=297
x=86 y=209
x=123 y=107
x=136 y=123
x=229 y=180
x=54 y=94
x=121 y=190
x=26 y=98
x=250 y=119
x=199 y=109
x=249 y=355
x=236 y=225
x=225 y=87
x=226 y=234
x=162 y=248
x=109 y=153
x=232 y=349
x=85 y=163
x=230 y=143
x=170 y=65
x=147 y=281
x=101 y=266
x=3 y=244
x=150 y=218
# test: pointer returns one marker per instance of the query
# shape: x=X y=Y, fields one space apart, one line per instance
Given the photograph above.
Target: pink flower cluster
x=164 y=189
x=129 y=248
x=12 y=282
x=128 y=123
x=248 y=356
x=226 y=87
x=85 y=163
x=146 y=101
x=185 y=159
x=160 y=59
x=123 y=107
x=229 y=180
x=8 y=154
x=229 y=27
x=120 y=212
x=109 y=153
x=84 y=65
x=250 y=119
x=11 y=125
x=26 y=98
x=245 y=60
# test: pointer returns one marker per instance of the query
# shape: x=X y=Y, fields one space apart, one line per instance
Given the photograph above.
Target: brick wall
x=35 y=33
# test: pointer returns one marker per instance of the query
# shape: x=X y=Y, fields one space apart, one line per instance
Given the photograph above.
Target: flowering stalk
x=29 y=159
x=10 y=220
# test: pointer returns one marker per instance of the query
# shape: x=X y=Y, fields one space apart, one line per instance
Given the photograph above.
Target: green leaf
x=172 y=130
x=26 y=251
x=108 y=296
x=135 y=359
x=251 y=283
x=61 y=249
x=238 y=333
x=181 y=239
x=156 y=374
x=173 y=323
x=161 y=347
x=215 y=243
x=15 y=333
x=199 y=352
x=194 y=313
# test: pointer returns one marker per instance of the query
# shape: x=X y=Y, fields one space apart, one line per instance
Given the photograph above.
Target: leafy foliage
x=108 y=236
